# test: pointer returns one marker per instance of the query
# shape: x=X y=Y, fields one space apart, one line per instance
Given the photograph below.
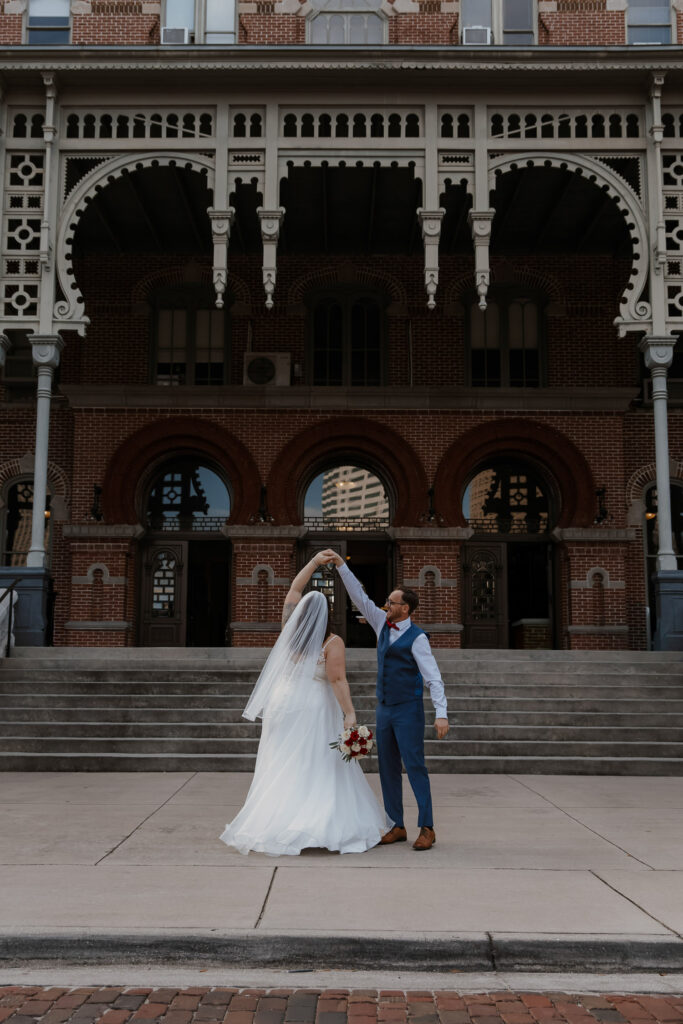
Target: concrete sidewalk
x=529 y=872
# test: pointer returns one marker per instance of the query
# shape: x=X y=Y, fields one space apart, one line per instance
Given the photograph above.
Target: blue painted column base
x=669 y=600
x=31 y=612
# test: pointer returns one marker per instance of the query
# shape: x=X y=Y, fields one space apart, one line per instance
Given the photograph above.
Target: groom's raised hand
x=331 y=556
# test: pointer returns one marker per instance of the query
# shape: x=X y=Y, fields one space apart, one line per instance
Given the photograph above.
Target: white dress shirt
x=421 y=651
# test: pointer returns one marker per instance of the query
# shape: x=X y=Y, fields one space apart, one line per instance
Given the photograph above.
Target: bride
x=303 y=794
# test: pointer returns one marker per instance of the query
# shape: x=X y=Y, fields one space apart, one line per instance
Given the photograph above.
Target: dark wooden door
x=164 y=605
x=327 y=580
x=485 y=618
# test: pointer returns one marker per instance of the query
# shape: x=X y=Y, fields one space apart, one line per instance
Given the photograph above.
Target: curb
x=480 y=951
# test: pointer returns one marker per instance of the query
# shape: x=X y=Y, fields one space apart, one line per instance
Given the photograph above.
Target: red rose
x=353 y=738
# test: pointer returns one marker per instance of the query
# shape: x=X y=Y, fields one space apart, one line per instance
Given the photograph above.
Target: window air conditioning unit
x=477 y=35
x=266 y=369
x=175 y=36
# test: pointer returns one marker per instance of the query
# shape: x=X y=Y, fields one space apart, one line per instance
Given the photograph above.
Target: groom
x=404 y=660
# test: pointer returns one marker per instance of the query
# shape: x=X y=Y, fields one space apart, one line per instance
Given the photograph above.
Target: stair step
x=647 y=766
x=159 y=729
x=161 y=710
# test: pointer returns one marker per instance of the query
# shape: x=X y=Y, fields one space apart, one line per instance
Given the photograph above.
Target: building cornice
x=579 y=399
x=240 y=59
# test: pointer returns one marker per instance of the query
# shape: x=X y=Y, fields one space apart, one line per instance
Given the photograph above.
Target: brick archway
x=175 y=436
x=375 y=445
x=563 y=462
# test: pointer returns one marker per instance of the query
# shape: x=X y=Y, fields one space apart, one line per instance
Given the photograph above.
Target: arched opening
x=347 y=505
x=16 y=522
x=511 y=505
x=651 y=540
x=186 y=559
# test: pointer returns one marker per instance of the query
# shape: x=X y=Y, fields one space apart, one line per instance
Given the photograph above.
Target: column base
x=669 y=600
x=33 y=618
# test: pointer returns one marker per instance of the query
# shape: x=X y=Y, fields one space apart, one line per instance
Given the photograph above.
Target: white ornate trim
x=597 y=570
x=106 y=578
x=70 y=312
x=635 y=313
x=273 y=580
x=439 y=580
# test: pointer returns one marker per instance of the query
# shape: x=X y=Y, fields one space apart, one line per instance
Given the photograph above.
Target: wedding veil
x=292 y=660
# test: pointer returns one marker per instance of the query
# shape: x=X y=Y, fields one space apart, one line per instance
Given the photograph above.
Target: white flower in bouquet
x=368 y=746
x=363 y=731
x=345 y=735
x=355 y=747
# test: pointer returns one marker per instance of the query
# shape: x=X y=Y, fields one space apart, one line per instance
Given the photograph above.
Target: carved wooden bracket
x=270 y=233
x=480 y=224
x=221 y=223
x=430 y=222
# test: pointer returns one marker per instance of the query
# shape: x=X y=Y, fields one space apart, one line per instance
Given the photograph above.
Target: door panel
x=485 y=595
x=164 y=621
x=328 y=582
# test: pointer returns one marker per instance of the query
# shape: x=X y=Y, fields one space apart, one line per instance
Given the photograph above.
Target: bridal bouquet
x=354 y=743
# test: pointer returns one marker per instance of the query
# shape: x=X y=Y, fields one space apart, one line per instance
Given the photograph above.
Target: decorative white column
x=480 y=222
x=270 y=233
x=658 y=353
x=5 y=346
x=221 y=223
x=430 y=222
x=47 y=349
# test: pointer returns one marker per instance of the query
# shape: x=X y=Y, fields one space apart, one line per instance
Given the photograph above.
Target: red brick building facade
x=436 y=240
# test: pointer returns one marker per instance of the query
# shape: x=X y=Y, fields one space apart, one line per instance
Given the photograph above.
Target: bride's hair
x=306 y=618
x=293 y=659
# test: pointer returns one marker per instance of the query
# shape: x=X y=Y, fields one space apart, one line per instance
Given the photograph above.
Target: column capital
x=46 y=349
x=270 y=223
x=5 y=346
x=481 y=222
x=658 y=351
x=221 y=224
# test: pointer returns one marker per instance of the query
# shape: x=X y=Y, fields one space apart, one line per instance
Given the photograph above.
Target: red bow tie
x=392 y=625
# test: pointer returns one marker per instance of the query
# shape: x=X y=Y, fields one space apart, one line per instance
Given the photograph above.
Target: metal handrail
x=8 y=591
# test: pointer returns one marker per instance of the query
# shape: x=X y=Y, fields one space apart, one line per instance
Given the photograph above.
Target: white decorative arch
x=600 y=573
x=106 y=577
x=271 y=579
x=69 y=312
x=439 y=580
x=635 y=313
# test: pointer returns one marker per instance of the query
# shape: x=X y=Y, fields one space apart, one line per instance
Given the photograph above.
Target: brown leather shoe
x=394 y=835
x=426 y=839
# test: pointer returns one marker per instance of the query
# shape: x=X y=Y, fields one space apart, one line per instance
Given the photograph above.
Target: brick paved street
x=124 y=1005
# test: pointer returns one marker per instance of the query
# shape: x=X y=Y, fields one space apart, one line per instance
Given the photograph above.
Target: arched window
x=346 y=497
x=505 y=342
x=339 y=22
x=186 y=495
x=17 y=520
x=508 y=496
x=190 y=338
x=651 y=537
x=347 y=341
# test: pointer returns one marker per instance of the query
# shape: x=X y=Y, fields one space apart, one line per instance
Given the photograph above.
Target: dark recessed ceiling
x=162 y=210
x=548 y=210
x=351 y=209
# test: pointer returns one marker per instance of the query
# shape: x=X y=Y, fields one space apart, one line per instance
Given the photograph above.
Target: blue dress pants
x=400 y=734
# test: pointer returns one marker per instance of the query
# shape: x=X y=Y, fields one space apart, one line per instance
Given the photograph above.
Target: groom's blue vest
x=398 y=677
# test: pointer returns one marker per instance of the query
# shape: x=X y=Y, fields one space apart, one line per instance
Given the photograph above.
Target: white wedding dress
x=303 y=794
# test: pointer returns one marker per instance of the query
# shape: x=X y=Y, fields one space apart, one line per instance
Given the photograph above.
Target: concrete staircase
x=161 y=709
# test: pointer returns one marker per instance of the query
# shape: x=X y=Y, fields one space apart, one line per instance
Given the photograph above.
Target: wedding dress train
x=303 y=794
